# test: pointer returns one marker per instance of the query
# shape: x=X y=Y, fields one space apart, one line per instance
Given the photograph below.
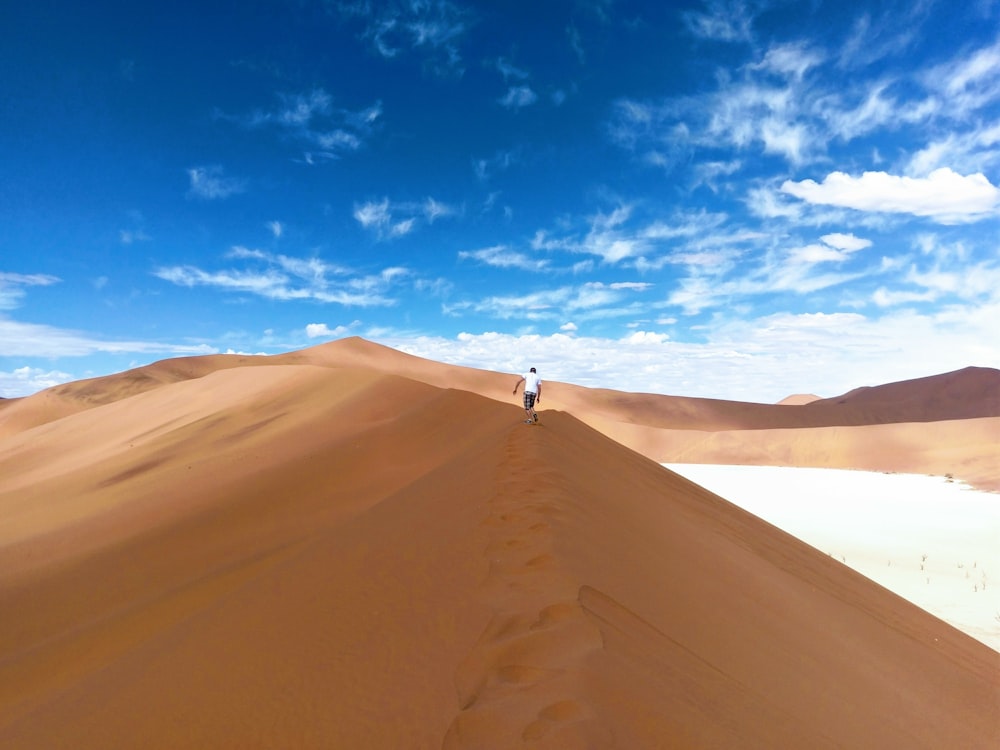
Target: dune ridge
x=331 y=551
x=946 y=424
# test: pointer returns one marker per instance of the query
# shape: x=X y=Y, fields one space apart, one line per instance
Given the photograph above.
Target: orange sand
x=347 y=547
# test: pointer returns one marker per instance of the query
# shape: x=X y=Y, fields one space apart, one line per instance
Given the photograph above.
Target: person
x=532 y=394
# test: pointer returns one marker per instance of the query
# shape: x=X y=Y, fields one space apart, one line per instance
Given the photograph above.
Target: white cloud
x=27 y=380
x=969 y=83
x=392 y=220
x=518 y=97
x=276 y=228
x=508 y=70
x=712 y=173
x=647 y=337
x=322 y=330
x=816 y=253
x=332 y=142
x=210 y=183
x=761 y=359
x=12 y=286
x=788 y=139
x=310 y=118
x=886 y=35
x=431 y=28
x=19 y=339
x=607 y=237
x=884 y=297
x=286 y=278
x=790 y=102
x=767 y=203
x=435 y=209
x=873 y=109
x=402 y=228
x=586 y=301
x=487 y=167
x=129 y=236
x=373 y=214
x=976 y=150
x=846 y=242
x=790 y=60
x=501 y=256
x=944 y=195
x=299 y=110
x=724 y=20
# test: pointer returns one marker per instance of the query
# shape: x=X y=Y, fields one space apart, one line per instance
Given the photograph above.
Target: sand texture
x=347 y=547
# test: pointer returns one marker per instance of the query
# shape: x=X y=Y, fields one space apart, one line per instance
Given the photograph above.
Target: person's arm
x=538 y=396
x=518 y=384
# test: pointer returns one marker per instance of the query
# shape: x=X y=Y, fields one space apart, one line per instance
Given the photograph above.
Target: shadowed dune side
x=19 y=414
x=353 y=352
x=316 y=556
x=70 y=398
x=225 y=579
x=942 y=424
x=963 y=394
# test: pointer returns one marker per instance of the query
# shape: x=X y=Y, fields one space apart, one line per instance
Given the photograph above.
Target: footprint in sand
x=562 y=711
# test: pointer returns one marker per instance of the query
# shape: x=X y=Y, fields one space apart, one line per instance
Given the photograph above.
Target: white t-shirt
x=531 y=382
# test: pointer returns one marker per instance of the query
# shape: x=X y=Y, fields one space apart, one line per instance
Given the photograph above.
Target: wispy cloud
x=974 y=150
x=130 y=236
x=758 y=358
x=287 y=278
x=12 y=286
x=518 y=97
x=430 y=28
x=389 y=220
x=311 y=120
x=485 y=168
x=510 y=71
x=792 y=102
x=211 y=183
x=38 y=340
x=620 y=237
x=722 y=20
x=967 y=83
x=501 y=256
x=890 y=32
x=585 y=301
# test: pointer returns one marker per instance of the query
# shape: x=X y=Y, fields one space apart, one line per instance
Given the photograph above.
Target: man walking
x=532 y=394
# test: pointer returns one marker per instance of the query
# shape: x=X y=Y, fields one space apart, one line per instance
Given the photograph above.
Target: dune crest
x=799 y=399
x=315 y=551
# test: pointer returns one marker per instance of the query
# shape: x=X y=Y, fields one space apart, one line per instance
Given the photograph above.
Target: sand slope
x=319 y=552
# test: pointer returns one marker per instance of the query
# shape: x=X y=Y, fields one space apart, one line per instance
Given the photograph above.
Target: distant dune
x=799 y=399
x=350 y=547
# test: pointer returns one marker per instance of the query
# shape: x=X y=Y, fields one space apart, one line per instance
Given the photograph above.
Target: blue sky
x=726 y=198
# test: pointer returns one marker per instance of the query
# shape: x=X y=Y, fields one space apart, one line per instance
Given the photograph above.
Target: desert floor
x=934 y=542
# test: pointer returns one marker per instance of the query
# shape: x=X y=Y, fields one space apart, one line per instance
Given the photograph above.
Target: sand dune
x=349 y=547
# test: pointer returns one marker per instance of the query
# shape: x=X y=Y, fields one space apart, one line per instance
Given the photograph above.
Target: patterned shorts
x=529 y=400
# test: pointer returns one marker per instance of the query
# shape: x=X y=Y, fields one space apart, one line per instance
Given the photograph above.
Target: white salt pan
x=934 y=542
